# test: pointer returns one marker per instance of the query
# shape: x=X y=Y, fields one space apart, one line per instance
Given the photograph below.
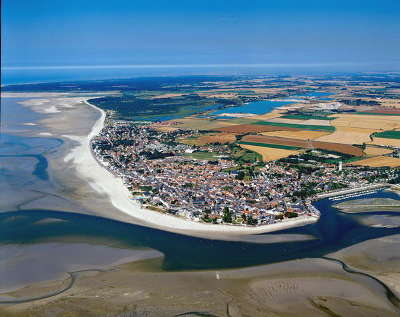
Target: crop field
x=200 y=124
x=310 y=122
x=386 y=142
x=269 y=154
x=301 y=135
x=306 y=117
x=218 y=138
x=275 y=146
x=202 y=155
x=298 y=126
x=372 y=151
x=379 y=161
x=378 y=122
x=247 y=128
x=334 y=147
x=388 y=134
x=349 y=135
x=381 y=113
x=222 y=138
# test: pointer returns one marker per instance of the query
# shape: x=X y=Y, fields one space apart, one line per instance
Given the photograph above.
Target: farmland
x=388 y=134
x=372 y=151
x=200 y=124
x=302 y=135
x=349 y=135
x=249 y=128
x=377 y=122
x=269 y=154
x=221 y=138
x=379 y=161
x=334 y=147
x=306 y=117
x=386 y=142
x=275 y=146
x=298 y=126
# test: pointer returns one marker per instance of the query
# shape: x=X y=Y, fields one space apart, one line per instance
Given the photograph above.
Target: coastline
x=105 y=182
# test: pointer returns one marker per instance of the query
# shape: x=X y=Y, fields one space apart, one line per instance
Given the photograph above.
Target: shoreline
x=113 y=186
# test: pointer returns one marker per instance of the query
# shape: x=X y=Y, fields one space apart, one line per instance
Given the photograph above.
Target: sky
x=98 y=33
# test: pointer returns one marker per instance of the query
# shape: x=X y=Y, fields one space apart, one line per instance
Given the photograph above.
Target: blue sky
x=133 y=32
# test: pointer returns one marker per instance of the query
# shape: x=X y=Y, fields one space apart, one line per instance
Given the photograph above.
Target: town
x=207 y=184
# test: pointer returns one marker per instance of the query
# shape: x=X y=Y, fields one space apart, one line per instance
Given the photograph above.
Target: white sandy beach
x=106 y=183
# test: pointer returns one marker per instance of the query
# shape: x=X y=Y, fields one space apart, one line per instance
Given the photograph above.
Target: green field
x=275 y=146
x=298 y=126
x=378 y=114
x=306 y=117
x=203 y=155
x=388 y=134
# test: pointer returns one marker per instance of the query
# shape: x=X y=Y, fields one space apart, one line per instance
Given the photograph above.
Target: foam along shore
x=108 y=184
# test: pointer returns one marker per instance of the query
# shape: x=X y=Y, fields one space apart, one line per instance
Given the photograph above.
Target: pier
x=352 y=192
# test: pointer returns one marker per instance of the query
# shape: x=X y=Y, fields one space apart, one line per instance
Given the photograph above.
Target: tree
x=227 y=217
x=240 y=175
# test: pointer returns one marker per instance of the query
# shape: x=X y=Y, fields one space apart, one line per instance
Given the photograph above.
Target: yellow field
x=201 y=124
x=379 y=161
x=367 y=121
x=300 y=135
x=222 y=138
x=371 y=150
x=270 y=115
x=387 y=142
x=296 y=121
x=219 y=137
x=165 y=128
x=269 y=154
x=348 y=135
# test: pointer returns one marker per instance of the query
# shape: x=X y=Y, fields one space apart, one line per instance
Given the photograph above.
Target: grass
x=203 y=155
x=378 y=113
x=241 y=155
x=275 y=146
x=387 y=134
x=306 y=117
x=299 y=126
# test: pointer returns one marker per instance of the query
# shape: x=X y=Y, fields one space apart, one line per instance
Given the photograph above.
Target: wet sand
x=310 y=287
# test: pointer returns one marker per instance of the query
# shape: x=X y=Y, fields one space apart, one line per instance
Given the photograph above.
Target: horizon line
x=139 y=66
